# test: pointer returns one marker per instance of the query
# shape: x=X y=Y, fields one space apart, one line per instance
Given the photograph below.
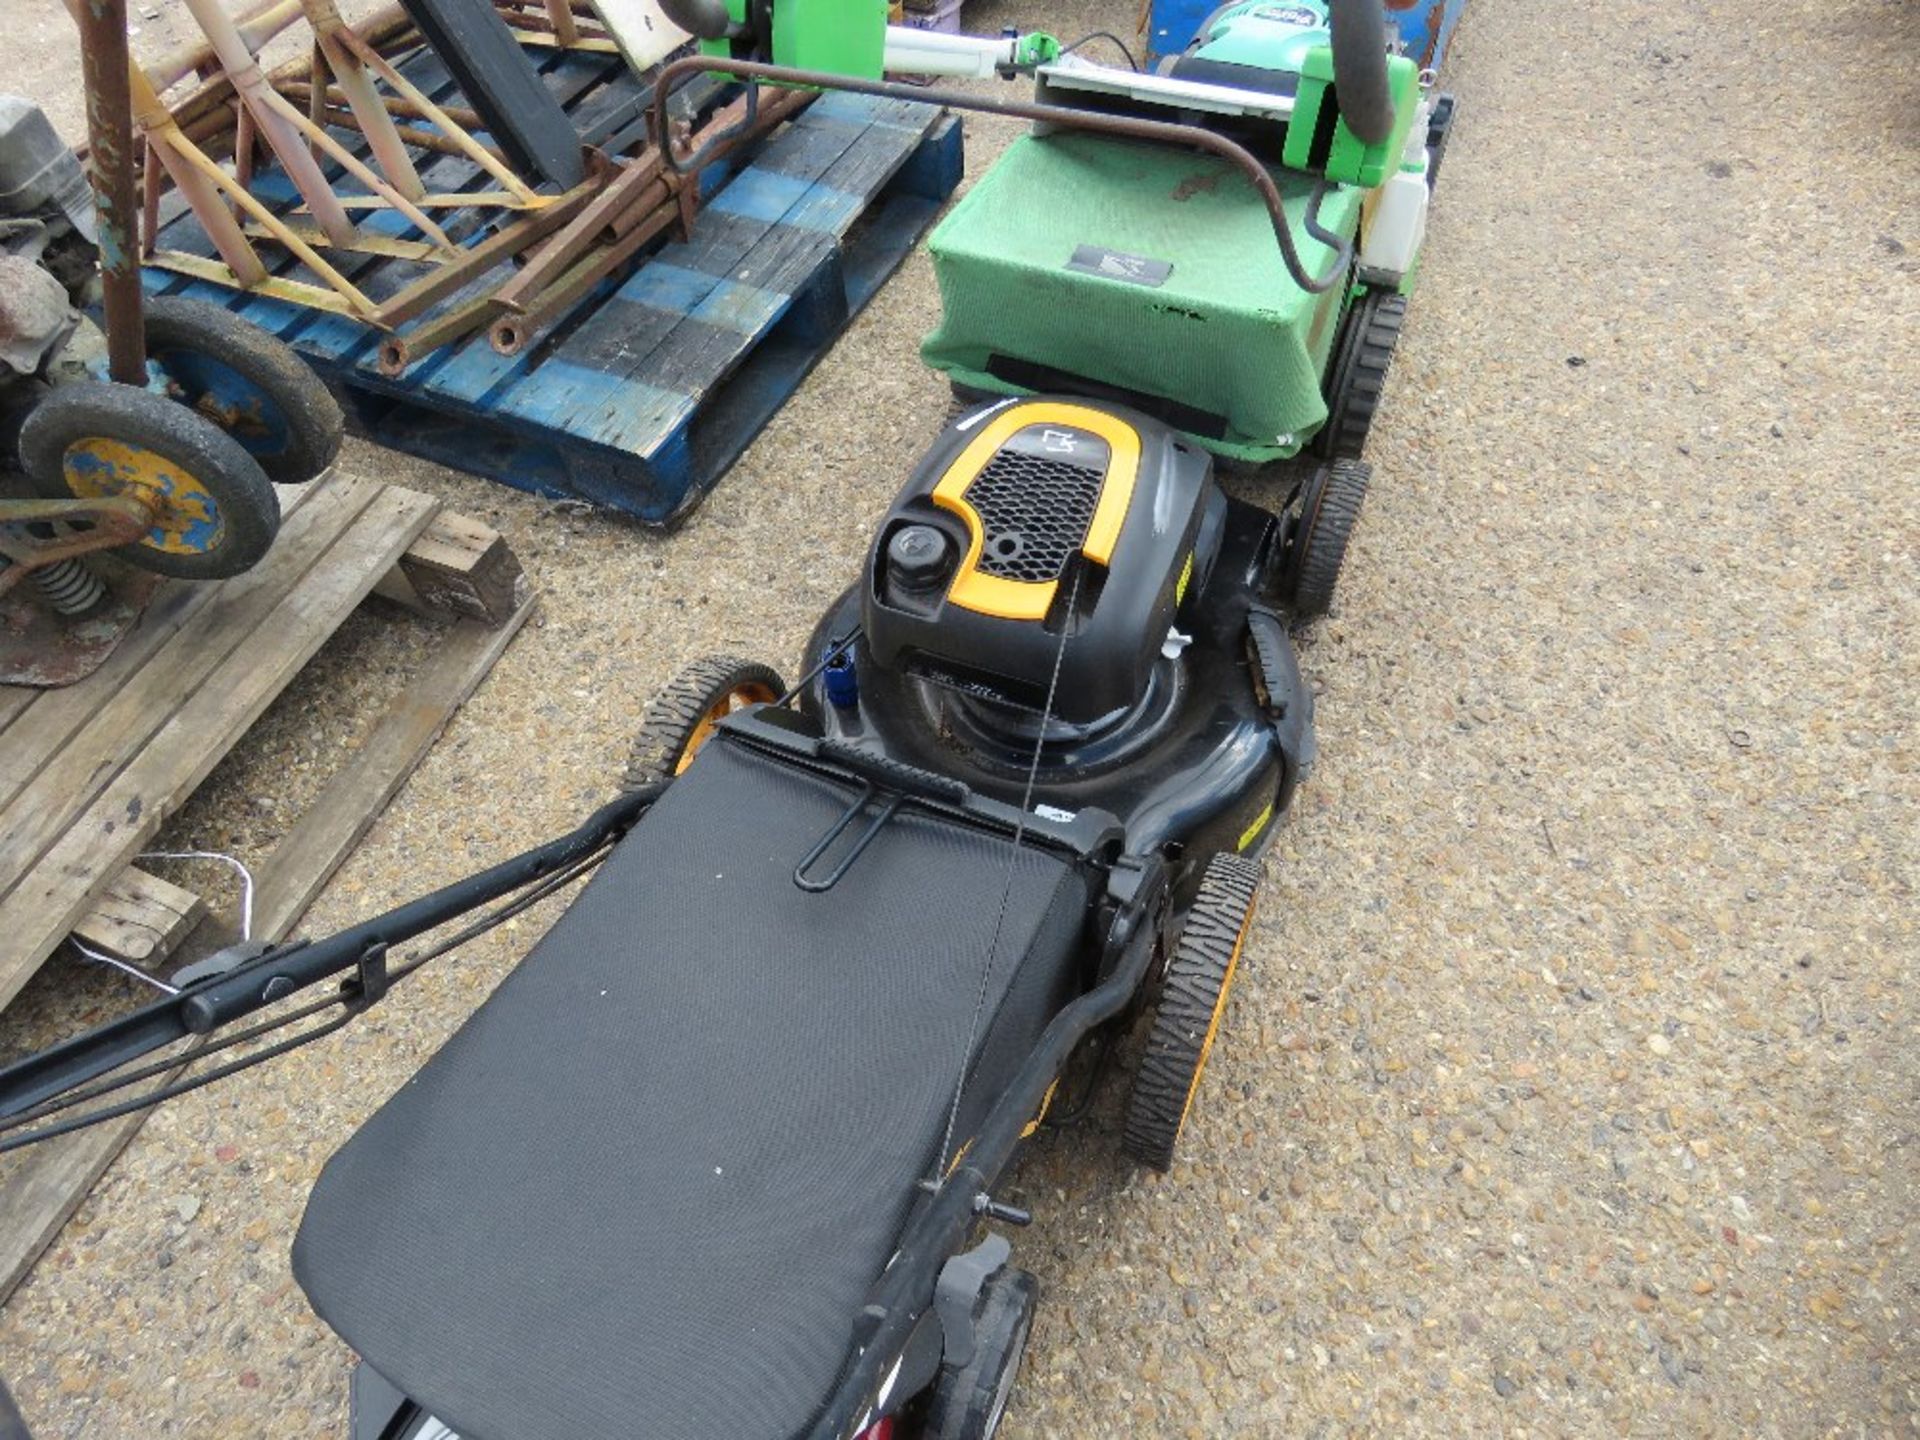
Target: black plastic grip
x=1360 y=68
x=896 y=774
x=702 y=19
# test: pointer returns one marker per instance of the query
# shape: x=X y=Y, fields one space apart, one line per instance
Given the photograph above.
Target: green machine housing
x=1148 y=275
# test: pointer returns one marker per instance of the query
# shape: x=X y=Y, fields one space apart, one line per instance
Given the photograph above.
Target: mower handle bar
x=1360 y=68
x=1125 y=126
x=1357 y=32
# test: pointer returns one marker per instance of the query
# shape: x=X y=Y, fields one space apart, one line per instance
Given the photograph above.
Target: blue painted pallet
x=643 y=395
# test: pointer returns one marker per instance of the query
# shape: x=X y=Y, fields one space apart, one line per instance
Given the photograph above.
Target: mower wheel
x=1439 y=128
x=1328 y=512
x=247 y=382
x=1193 y=1001
x=214 y=514
x=683 y=714
x=969 y=1401
x=1358 y=376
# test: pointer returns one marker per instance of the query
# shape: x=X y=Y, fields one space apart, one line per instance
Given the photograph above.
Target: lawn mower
x=1226 y=245
x=172 y=477
x=719 y=1157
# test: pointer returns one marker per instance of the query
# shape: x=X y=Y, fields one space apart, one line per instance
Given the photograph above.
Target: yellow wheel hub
x=734 y=699
x=186 y=518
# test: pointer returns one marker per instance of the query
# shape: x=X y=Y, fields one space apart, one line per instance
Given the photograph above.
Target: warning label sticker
x=1118 y=265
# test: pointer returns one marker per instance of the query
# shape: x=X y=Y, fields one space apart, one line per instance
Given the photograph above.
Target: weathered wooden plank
x=47 y=901
x=327 y=833
x=58 y=715
x=40 y=1188
x=139 y=918
x=14 y=699
x=54 y=778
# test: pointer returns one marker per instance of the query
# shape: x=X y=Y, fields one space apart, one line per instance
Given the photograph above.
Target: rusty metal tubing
x=426 y=139
x=628 y=201
x=390 y=26
x=105 y=66
x=400 y=109
x=511 y=333
x=1125 y=126
x=639 y=187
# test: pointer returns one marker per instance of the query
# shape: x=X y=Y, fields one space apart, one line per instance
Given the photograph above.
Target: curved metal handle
x=1128 y=126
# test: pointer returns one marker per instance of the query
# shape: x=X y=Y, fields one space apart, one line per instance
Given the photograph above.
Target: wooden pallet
x=89 y=773
x=644 y=393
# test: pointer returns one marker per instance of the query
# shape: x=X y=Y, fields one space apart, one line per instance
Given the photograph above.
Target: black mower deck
x=647 y=1186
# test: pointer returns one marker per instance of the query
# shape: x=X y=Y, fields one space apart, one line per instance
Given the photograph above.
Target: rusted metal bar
x=258 y=22
x=106 y=68
x=109 y=521
x=388 y=27
x=284 y=138
x=630 y=201
x=1128 y=127
x=365 y=49
x=477 y=259
x=202 y=190
x=639 y=185
x=277 y=287
x=564 y=28
x=397 y=352
x=402 y=109
x=363 y=97
x=413 y=135
x=511 y=333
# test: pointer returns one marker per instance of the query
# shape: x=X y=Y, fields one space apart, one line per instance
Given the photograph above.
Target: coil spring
x=70 y=587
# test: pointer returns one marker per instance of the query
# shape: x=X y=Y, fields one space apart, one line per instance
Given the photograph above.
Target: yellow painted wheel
x=682 y=716
x=1193 y=1002
x=213 y=513
x=186 y=518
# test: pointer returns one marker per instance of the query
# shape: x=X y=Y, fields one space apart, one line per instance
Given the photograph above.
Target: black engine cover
x=1025 y=519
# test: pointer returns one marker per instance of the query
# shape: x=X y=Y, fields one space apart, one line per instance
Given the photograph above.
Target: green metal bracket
x=841 y=37
x=1336 y=152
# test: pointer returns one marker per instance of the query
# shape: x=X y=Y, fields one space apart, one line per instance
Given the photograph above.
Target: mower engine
x=1028 y=534
x=1063 y=596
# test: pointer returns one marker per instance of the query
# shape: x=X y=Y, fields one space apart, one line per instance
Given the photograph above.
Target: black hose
x=1111 y=38
x=702 y=19
x=1360 y=68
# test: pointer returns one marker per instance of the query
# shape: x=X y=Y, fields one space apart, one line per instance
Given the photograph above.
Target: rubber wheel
x=969 y=1401
x=248 y=383
x=1193 y=1001
x=1329 y=509
x=1439 y=127
x=682 y=715
x=1358 y=376
x=215 y=513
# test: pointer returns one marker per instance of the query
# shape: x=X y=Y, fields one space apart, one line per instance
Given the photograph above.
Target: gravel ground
x=1570 y=1085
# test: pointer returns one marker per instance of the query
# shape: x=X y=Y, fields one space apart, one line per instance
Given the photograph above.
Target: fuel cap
x=917 y=557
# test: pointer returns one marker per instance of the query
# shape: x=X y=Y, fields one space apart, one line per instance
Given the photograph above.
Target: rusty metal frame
x=113 y=521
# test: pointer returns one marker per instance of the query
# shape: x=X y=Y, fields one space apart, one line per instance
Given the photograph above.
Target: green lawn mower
x=1226 y=245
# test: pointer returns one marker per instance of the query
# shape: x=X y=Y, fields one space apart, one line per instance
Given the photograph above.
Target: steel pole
x=103 y=58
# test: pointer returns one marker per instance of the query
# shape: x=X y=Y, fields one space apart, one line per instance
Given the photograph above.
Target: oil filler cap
x=917 y=558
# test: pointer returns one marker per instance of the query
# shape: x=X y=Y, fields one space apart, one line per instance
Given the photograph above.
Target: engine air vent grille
x=1035 y=511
